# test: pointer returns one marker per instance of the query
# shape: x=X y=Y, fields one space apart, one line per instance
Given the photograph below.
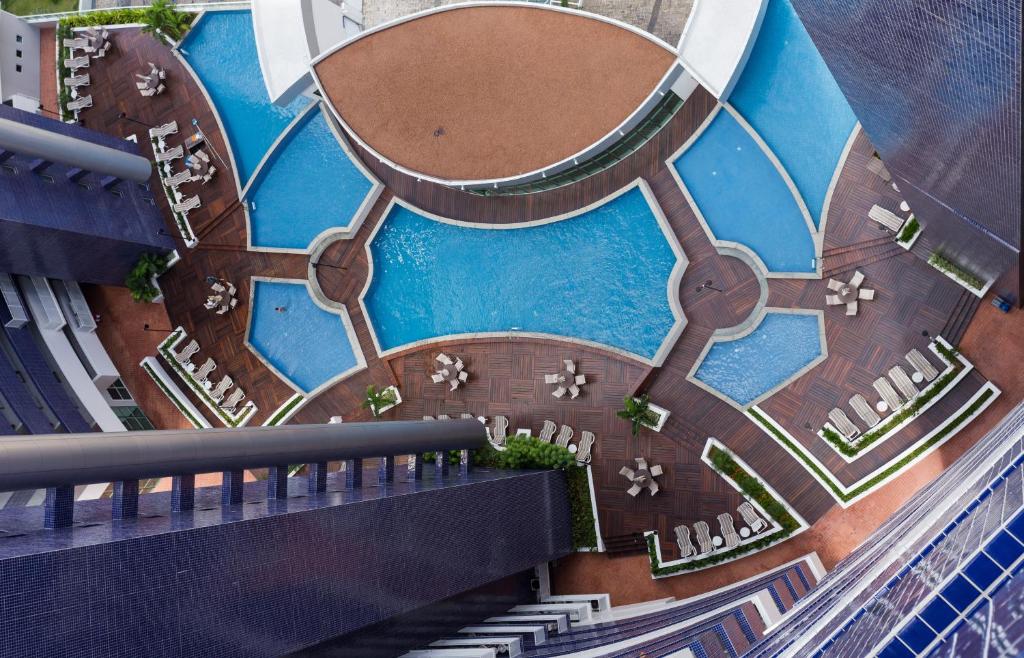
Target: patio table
x=846 y=293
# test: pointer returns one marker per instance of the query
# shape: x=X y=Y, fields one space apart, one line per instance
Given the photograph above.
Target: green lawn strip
x=31 y=7
x=752 y=488
x=825 y=479
x=165 y=351
x=283 y=411
x=174 y=399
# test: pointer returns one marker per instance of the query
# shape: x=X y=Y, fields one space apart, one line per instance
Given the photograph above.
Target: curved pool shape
x=307 y=186
x=745 y=370
x=743 y=198
x=221 y=49
x=602 y=276
x=305 y=344
x=789 y=96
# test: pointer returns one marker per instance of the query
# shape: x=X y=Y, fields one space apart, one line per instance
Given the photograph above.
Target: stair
x=844 y=260
x=625 y=544
x=958 y=321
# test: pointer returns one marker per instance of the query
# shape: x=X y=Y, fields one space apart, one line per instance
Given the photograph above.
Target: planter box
x=661 y=412
x=398 y=400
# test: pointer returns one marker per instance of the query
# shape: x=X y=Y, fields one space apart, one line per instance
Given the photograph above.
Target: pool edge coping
x=673 y=282
x=340 y=310
x=731 y=336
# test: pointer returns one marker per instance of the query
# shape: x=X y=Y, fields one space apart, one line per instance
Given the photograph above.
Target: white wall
x=21 y=87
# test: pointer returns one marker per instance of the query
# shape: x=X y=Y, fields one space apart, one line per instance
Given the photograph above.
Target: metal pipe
x=53 y=460
x=34 y=142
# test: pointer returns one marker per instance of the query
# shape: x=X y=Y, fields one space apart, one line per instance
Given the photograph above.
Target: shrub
x=140 y=279
x=940 y=262
x=638 y=412
x=909 y=230
x=377 y=400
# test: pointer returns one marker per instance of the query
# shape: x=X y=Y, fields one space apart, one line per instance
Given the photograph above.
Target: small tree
x=376 y=400
x=162 y=17
x=638 y=412
x=140 y=279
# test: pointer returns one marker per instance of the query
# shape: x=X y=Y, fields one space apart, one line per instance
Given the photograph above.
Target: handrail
x=60 y=460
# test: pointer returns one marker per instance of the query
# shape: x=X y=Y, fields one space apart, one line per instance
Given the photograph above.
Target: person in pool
x=279 y=309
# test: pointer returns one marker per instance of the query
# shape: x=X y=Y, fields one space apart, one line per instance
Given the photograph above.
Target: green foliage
x=173 y=398
x=139 y=280
x=162 y=17
x=909 y=230
x=638 y=412
x=33 y=7
x=283 y=411
x=940 y=262
x=584 y=534
x=378 y=399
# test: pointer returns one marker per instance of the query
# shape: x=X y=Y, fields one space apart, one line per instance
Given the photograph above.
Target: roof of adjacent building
x=489 y=92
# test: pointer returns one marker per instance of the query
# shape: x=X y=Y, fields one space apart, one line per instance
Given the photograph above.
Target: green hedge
x=283 y=411
x=940 y=262
x=752 y=488
x=909 y=230
x=174 y=400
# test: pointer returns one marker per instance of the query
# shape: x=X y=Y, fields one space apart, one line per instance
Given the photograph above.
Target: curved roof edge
x=717 y=40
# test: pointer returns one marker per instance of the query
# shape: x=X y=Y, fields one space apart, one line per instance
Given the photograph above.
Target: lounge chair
x=500 y=430
x=178 y=179
x=834 y=284
x=732 y=539
x=186 y=205
x=80 y=103
x=843 y=424
x=77 y=81
x=703 y=537
x=204 y=371
x=170 y=154
x=550 y=379
x=864 y=410
x=580 y=380
x=750 y=517
x=76 y=43
x=564 y=436
x=574 y=391
x=851 y=308
x=185 y=354
x=547 y=432
x=858 y=278
x=428 y=418
x=887 y=393
x=921 y=364
x=437 y=378
x=465 y=416
x=77 y=62
x=686 y=548
x=833 y=300
x=583 y=450
x=443 y=417
x=558 y=392
x=903 y=382
x=217 y=394
x=170 y=128
x=443 y=358
x=867 y=294
x=232 y=400
x=886 y=218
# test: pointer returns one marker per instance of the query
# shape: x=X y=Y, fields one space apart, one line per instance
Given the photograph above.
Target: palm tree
x=376 y=400
x=638 y=412
x=162 y=17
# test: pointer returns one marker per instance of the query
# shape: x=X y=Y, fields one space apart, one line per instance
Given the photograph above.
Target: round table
x=202 y=167
x=917 y=378
x=716 y=540
x=744 y=532
x=566 y=378
x=642 y=477
x=904 y=206
x=846 y=293
x=882 y=406
x=573 y=448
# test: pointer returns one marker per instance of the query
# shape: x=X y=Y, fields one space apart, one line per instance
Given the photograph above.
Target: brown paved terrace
x=490 y=92
x=507 y=374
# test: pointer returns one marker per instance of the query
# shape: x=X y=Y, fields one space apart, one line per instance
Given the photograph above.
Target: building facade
x=19 y=63
x=936 y=86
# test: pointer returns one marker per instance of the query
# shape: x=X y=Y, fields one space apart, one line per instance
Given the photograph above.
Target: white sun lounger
x=169 y=128
x=188 y=204
x=921 y=364
x=583 y=450
x=77 y=81
x=903 y=382
x=170 y=154
x=732 y=539
x=864 y=410
x=187 y=352
x=703 y=537
x=547 y=432
x=877 y=167
x=80 y=103
x=217 y=394
x=564 y=436
x=500 y=430
x=887 y=393
x=232 y=400
x=886 y=218
x=843 y=424
x=178 y=179
x=428 y=418
x=750 y=517
x=204 y=371
x=686 y=548
x=77 y=62
x=76 y=43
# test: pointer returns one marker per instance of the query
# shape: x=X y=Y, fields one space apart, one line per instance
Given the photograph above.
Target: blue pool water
x=221 y=49
x=789 y=96
x=307 y=186
x=305 y=343
x=749 y=367
x=743 y=198
x=601 y=276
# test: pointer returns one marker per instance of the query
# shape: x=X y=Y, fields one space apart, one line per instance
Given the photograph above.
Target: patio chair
x=586 y=444
x=232 y=400
x=851 y=308
x=170 y=154
x=161 y=88
x=558 y=392
x=437 y=378
x=921 y=364
x=634 y=490
x=547 y=431
x=653 y=487
x=569 y=365
x=843 y=424
x=574 y=391
x=858 y=278
x=833 y=300
x=209 y=174
x=217 y=394
x=204 y=371
x=750 y=517
x=186 y=205
x=864 y=410
x=887 y=393
x=500 y=429
x=453 y=384
x=903 y=382
x=76 y=43
x=80 y=103
x=580 y=380
x=443 y=358
x=834 y=284
x=104 y=49
x=867 y=294
x=550 y=379
x=732 y=539
x=627 y=473
x=564 y=436
x=703 y=537
x=886 y=218
x=463 y=376
x=147 y=92
x=686 y=548
x=141 y=86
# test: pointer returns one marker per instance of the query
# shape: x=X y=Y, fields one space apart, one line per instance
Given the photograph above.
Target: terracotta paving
x=506 y=375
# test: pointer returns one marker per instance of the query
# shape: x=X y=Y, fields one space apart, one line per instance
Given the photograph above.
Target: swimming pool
x=305 y=344
x=221 y=49
x=748 y=369
x=307 y=186
x=608 y=275
x=742 y=197
x=789 y=96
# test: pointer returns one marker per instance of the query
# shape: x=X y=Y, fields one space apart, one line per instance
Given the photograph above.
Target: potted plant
x=162 y=18
x=639 y=411
x=141 y=281
x=379 y=401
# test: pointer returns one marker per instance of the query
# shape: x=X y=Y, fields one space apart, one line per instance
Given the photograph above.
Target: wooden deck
x=507 y=374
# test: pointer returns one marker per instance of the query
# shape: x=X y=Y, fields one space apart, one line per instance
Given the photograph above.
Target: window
x=18 y=38
x=17 y=68
x=118 y=391
x=17 y=53
x=133 y=419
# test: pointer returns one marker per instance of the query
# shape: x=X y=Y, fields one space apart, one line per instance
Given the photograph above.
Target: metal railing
x=58 y=462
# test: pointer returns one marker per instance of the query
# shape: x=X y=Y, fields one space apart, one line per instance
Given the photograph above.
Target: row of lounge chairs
x=201 y=376
x=499 y=433
x=165 y=156
x=730 y=538
x=75 y=63
x=893 y=400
